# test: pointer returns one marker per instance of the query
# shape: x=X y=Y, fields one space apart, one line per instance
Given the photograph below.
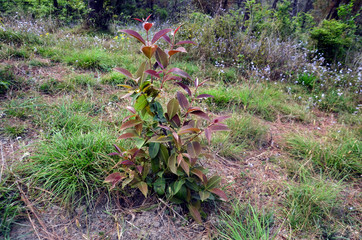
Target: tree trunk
x=295 y=8
x=308 y=5
x=97 y=17
x=274 y=6
x=333 y=9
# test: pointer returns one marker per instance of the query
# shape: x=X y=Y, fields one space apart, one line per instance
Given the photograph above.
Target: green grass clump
x=13 y=131
x=310 y=203
x=338 y=153
x=72 y=166
x=83 y=80
x=92 y=59
x=247 y=133
x=54 y=86
x=113 y=78
x=245 y=222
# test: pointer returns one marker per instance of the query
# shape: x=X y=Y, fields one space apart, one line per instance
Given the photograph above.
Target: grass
x=267 y=101
x=338 y=153
x=245 y=222
x=247 y=133
x=310 y=203
x=72 y=166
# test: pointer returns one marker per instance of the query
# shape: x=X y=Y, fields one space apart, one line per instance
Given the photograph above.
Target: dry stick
x=29 y=205
x=173 y=210
x=33 y=225
x=2 y=162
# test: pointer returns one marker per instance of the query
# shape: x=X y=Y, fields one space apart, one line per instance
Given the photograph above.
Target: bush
x=333 y=38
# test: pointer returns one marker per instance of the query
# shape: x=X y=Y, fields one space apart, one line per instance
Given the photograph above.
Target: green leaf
x=172 y=107
x=141 y=103
x=163 y=154
x=159 y=186
x=176 y=186
x=139 y=142
x=159 y=139
x=204 y=195
x=213 y=182
x=153 y=149
x=172 y=163
x=155 y=164
x=142 y=186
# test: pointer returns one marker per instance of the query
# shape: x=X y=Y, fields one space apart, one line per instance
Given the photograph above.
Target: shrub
x=333 y=38
x=166 y=143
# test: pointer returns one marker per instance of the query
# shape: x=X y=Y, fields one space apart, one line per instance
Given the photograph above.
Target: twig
x=2 y=162
x=173 y=210
x=31 y=208
x=33 y=225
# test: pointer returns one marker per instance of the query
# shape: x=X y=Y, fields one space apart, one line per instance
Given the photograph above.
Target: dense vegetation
x=283 y=76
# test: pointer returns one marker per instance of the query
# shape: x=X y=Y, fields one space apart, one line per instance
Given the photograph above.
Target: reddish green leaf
x=220 y=119
x=185 y=42
x=184 y=103
x=161 y=58
x=204 y=96
x=219 y=127
x=130 y=123
x=172 y=107
x=139 y=169
x=124 y=72
x=208 y=135
x=179 y=159
x=142 y=186
x=188 y=129
x=192 y=109
x=153 y=73
x=194 y=149
x=114 y=178
x=179 y=72
x=185 y=166
x=127 y=162
x=134 y=34
x=148 y=51
x=200 y=174
x=128 y=135
x=176 y=120
x=174 y=51
x=159 y=34
x=195 y=213
x=201 y=114
x=185 y=87
x=219 y=193
x=131 y=109
x=167 y=38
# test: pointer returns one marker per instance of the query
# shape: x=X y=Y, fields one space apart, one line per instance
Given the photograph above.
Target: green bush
x=333 y=38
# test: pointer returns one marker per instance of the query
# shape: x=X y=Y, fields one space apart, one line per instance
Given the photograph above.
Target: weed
x=13 y=131
x=113 y=78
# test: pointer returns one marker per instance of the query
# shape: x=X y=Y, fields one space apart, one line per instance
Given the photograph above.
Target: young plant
x=167 y=142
